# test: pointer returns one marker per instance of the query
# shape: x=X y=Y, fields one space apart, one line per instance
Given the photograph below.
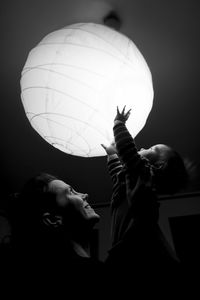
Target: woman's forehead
x=56 y=185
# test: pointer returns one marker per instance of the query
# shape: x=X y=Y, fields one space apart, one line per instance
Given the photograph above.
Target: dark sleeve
x=138 y=173
x=127 y=150
x=115 y=170
x=114 y=167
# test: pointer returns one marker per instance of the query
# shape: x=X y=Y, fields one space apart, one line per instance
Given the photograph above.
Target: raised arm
x=138 y=175
x=113 y=162
x=125 y=144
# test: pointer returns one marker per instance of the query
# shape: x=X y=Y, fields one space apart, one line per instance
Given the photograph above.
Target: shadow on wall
x=179 y=220
x=186 y=236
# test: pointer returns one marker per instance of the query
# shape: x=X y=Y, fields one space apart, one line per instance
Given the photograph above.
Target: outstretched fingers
x=128 y=113
x=103 y=146
x=123 y=110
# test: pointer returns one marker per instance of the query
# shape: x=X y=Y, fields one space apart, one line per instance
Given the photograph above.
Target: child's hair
x=171 y=176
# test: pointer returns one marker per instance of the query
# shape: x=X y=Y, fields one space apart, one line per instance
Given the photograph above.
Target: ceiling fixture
x=74 y=79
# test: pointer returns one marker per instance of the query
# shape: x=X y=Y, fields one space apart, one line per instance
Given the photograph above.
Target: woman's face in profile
x=71 y=201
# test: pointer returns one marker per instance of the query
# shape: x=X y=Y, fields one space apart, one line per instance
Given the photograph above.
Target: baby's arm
x=125 y=144
x=111 y=149
x=113 y=162
x=137 y=174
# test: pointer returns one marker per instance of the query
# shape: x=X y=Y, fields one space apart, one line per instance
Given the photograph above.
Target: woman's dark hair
x=35 y=194
x=29 y=233
x=28 y=206
x=37 y=183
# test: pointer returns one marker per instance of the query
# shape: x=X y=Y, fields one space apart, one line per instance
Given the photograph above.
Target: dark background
x=168 y=35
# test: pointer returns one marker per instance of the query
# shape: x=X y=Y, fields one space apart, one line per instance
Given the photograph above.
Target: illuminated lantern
x=74 y=79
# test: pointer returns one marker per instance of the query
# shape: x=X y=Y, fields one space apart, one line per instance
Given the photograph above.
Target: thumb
x=103 y=146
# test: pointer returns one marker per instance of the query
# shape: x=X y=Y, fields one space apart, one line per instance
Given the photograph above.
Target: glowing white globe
x=74 y=79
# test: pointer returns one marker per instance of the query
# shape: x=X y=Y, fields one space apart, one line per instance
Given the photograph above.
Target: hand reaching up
x=122 y=116
x=111 y=149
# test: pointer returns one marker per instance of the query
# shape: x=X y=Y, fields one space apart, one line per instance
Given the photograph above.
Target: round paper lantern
x=74 y=79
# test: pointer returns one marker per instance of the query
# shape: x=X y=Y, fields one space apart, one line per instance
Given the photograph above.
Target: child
x=138 y=176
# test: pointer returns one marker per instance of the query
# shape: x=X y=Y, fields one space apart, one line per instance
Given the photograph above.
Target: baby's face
x=156 y=153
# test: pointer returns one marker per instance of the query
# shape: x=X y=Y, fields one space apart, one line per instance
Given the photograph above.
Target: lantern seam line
x=95 y=49
x=61 y=74
x=50 y=113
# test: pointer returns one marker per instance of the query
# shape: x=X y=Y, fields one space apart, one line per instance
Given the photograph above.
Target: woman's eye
x=73 y=191
x=70 y=190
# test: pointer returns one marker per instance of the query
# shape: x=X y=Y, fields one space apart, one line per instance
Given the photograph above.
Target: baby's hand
x=123 y=117
x=111 y=149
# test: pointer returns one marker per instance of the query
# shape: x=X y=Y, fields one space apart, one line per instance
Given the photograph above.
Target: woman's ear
x=52 y=220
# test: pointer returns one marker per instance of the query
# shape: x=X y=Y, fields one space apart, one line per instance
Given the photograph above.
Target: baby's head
x=169 y=171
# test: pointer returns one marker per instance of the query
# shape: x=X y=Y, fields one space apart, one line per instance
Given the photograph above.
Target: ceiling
x=168 y=35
